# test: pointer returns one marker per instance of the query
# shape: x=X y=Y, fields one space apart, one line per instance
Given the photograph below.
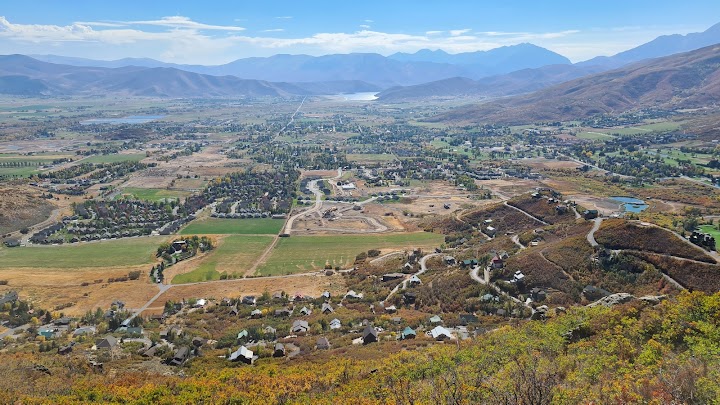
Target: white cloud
x=183 y=22
x=369 y=21
x=274 y=30
x=182 y=40
x=286 y=17
x=456 y=33
x=363 y=26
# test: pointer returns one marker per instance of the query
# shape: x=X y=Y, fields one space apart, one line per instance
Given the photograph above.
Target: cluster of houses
x=702 y=239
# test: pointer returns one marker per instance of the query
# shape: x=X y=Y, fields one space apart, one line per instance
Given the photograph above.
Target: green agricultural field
x=234 y=255
x=114 y=158
x=254 y=226
x=153 y=194
x=712 y=230
x=307 y=253
x=114 y=253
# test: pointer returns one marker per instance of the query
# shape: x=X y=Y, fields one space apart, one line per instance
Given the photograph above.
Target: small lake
x=631 y=204
x=355 y=96
x=132 y=119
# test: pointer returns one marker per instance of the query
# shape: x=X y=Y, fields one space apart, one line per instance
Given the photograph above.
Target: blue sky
x=215 y=32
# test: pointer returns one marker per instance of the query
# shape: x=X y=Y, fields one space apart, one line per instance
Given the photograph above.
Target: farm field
x=254 y=226
x=308 y=253
x=234 y=255
x=111 y=253
x=712 y=230
x=116 y=157
x=153 y=194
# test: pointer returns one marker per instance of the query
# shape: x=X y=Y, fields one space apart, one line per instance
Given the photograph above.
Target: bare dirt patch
x=21 y=207
x=542 y=163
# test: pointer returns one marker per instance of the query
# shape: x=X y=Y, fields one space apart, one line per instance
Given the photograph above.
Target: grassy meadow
x=307 y=253
x=218 y=226
x=111 y=253
x=234 y=255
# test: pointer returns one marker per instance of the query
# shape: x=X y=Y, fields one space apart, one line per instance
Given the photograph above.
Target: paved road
x=475 y=275
x=385 y=256
x=13 y=331
x=516 y=240
x=292 y=118
x=423 y=269
x=591 y=235
x=313 y=187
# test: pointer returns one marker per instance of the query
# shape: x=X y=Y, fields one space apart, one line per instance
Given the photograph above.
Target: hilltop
x=687 y=80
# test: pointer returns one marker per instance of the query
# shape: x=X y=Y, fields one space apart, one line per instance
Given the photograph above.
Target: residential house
x=269 y=330
x=335 y=324
x=249 y=300
x=46 y=332
x=242 y=354
x=538 y=294
x=466 y=319
x=181 y=356
x=322 y=343
x=256 y=313
x=65 y=349
x=353 y=295
x=393 y=276
x=590 y=214
x=325 y=295
x=440 y=333
x=200 y=303
x=327 y=308
x=305 y=311
x=243 y=334
x=414 y=280
x=408 y=333
x=409 y=298
x=284 y=312
x=300 y=326
x=449 y=260
x=279 y=350
x=369 y=335
x=469 y=263
x=518 y=277
x=85 y=330
x=108 y=342
x=435 y=320
x=497 y=262
x=158 y=317
x=391 y=309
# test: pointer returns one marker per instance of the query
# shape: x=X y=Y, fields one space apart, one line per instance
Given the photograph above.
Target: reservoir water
x=631 y=204
x=132 y=119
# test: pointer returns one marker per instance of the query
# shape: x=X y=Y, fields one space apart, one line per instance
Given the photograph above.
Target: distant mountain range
x=504 y=71
x=518 y=82
x=25 y=76
x=686 y=80
x=529 y=80
x=397 y=69
x=660 y=46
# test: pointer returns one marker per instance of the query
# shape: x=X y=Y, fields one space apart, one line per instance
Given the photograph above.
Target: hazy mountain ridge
x=518 y=82
x=397 y=69
x=661 y=46
x=686 y=80
x=22 y=75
